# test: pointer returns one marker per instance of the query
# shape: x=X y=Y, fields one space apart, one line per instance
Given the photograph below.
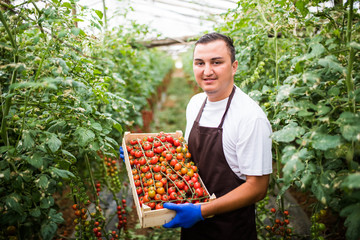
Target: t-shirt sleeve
x=253 y=148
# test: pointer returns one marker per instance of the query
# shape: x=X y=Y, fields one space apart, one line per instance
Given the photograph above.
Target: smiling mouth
x=209 y=79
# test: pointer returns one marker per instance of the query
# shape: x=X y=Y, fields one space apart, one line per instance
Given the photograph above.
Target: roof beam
x=169 y=41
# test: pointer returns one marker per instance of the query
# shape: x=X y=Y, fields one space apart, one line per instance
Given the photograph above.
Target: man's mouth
x=209 y=79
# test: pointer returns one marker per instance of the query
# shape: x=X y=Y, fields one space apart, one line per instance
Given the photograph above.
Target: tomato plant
x=65 y=97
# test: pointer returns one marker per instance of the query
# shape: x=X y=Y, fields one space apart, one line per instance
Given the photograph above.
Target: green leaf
x=317 y=49
x=112 y=141
x=118 y=127
x=352 y=181
x=55 y=216
x=319 y=192
x=324 y=142
x=355 y=45
x=13 y=202
x=331 y=63
x=75 y=31
x=62 y=34
x=96 y=126
x=69 y=154
x=46 y=202
x=334 y=91
x=35 y=212
x=78 y=20
x=311 y=78
x=352 y=222
x=53 y=142
x=27 y=140
x=288 y=133
x=43 y=182
x=84 y=136
x=293 y=161
x=304 y=113
x=48 y=230
x=322 y=109
x=61 y=173
x=349 y=126
x=99 y=13
x=284 y=92
x=57 y=125
x=67 y=5
x=301 y=5
x=36 y=160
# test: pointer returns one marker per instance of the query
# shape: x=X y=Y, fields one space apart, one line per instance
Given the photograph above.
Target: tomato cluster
x=112 y=170
x=280 y=226
x=163 y=171
x=92 y=224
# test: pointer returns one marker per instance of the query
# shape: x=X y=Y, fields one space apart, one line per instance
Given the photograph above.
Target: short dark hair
x=210 y=37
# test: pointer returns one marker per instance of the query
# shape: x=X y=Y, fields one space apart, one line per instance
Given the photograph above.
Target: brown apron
x=205 y=145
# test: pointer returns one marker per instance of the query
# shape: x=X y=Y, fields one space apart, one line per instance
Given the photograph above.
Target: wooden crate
x=148 y=217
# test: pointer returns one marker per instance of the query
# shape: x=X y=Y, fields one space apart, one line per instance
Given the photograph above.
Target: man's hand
x=121 y=151
x=186 y=215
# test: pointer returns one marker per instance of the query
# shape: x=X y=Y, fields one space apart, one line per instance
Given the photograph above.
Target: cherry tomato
x=160 y=190
x=177 y=143
x=138 y=153
x=151 y=205
x=171 y=190
x=137 y=183
x=165 y=197
x=173 y=196
x=157 y=197
x=199 y=192
x=183 y=170
x=149 y=153
x=139 y=190
x=133 y=142
x=148 y=175
x=154 y=160
x=159 y=206
x=157 y=176
x=177 y=166
x=151 y=193
x=197 y=185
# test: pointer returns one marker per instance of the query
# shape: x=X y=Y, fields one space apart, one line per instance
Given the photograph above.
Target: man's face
x=213 y=69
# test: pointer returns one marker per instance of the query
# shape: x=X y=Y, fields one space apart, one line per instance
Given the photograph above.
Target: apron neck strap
x=227 y=107
x=226 y=110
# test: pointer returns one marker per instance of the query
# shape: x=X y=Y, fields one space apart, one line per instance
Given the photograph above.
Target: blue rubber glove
x=121 y=151
x=186 y=215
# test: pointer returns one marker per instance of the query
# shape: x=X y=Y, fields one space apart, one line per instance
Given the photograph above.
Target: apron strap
x=200 y=112
x=227 y=107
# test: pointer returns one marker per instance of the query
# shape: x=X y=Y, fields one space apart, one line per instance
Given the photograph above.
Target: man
x=228 y=136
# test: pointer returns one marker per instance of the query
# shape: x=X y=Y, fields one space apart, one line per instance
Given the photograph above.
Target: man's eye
x=199 y=63
x=217 y=62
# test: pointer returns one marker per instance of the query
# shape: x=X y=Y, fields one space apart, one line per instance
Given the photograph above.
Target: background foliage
x=66 y=95
x=303 y=68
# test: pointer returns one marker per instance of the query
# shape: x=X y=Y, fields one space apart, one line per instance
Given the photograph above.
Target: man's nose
x=208 y=70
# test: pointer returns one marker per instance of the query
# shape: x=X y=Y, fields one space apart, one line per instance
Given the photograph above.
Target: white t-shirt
x=246 y=132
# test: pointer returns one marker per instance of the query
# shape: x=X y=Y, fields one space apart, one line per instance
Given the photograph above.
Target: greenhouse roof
x=171 y=18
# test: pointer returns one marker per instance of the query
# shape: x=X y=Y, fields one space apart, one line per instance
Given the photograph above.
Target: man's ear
x=234 y=67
